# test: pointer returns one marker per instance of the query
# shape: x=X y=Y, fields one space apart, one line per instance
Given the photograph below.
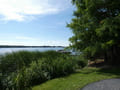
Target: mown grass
x=79 y=79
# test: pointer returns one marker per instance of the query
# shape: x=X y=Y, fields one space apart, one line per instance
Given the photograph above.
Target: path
x=108 y=84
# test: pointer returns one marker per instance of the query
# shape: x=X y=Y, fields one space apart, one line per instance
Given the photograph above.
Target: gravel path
x=108 y=84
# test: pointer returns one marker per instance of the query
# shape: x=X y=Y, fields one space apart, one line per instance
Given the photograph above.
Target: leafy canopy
x=95 y=25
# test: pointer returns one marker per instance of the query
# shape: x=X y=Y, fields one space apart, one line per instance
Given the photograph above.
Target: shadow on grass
x=103 y=71
x=88 y=71
x=109 y=71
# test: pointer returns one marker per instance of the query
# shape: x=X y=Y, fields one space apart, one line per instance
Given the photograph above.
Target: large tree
x=96 y=29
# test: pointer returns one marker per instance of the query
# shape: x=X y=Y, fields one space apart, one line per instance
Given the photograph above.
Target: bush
x=35 y=75
x=21 y=70
x=81 y=61
x=12 y=62
x=60 y=66
x=45 y=69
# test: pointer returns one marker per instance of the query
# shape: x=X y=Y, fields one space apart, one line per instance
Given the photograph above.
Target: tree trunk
x=105 y=58
x=112 y=56
x=116 y=55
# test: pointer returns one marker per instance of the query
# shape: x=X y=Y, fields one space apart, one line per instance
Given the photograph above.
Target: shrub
x=23 y=69
x=81 y=61
x=52 y=54
x=35 y=75
x=60 y=66
x=12 y=62
x=47 y=68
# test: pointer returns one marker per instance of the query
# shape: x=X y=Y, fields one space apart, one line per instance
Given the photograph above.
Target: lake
x=42 y=49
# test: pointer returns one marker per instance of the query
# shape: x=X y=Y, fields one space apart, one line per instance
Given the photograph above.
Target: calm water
x=9 y=50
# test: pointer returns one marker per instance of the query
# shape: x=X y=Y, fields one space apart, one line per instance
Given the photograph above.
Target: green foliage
x=21 y=70
x=12 y=62
x=60 y=66
x=96 y=27
x=35 y=75
x=48 y=68
x=81 y=61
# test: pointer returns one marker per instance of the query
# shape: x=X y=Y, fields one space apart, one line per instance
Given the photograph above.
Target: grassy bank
x=79 y=79
x=22 y=70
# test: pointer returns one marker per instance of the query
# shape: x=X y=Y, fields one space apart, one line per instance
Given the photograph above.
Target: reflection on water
x=9 y=50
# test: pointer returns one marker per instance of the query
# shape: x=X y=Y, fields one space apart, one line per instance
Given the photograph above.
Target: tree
x=96 y=29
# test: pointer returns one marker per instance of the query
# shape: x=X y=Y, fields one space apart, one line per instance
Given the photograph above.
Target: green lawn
x=79 y=79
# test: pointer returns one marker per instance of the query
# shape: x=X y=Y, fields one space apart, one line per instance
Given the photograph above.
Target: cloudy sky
x=35 y=22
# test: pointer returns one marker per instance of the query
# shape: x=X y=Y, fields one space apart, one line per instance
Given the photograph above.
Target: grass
x=79 y=79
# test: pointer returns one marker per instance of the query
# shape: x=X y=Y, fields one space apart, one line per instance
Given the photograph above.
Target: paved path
x=108 y=84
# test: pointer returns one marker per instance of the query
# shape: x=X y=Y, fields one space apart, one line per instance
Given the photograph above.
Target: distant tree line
x=22 y=46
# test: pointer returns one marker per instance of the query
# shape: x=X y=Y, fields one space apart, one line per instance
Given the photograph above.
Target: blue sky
x=35 y=22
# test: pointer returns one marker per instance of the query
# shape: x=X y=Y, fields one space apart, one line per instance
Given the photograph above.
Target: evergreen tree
x=96 y=29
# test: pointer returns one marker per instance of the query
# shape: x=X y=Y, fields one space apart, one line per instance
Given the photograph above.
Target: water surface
x=9 y=50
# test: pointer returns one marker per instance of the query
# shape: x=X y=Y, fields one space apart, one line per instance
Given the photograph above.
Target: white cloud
x=21 y=10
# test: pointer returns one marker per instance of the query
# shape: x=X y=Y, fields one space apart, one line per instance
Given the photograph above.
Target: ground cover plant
x=22 y=70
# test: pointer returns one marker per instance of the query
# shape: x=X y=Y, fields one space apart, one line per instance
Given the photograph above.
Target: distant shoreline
x=15 y=46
